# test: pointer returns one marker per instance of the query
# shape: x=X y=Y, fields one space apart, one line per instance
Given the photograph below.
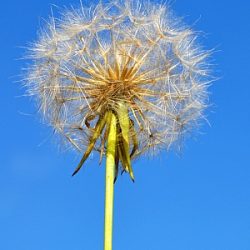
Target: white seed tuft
x=123 y=51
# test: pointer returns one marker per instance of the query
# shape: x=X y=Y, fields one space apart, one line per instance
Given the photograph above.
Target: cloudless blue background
x=199 y=201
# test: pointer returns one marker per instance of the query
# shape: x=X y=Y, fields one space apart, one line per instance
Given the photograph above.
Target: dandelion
x=121 y=78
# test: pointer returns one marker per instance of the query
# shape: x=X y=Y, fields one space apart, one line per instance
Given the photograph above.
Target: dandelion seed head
x=133 y=52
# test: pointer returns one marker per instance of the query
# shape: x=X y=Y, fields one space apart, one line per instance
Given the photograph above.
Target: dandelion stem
x=110 y=175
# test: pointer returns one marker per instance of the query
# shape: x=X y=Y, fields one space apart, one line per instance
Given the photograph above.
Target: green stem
x=110 y=175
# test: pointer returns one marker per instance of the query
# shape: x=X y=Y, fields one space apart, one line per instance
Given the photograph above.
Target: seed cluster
x=130 y=58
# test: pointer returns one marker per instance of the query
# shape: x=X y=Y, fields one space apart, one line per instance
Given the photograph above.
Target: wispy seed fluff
x=128 y=55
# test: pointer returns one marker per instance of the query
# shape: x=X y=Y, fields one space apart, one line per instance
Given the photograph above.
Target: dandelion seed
x=128 y=63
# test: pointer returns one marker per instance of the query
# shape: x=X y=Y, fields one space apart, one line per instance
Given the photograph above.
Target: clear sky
x=197 y=201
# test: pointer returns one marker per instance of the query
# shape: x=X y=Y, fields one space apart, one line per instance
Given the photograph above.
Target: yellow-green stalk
x=110 y=175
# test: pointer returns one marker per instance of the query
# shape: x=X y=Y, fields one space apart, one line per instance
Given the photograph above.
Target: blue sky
x=197 y=201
